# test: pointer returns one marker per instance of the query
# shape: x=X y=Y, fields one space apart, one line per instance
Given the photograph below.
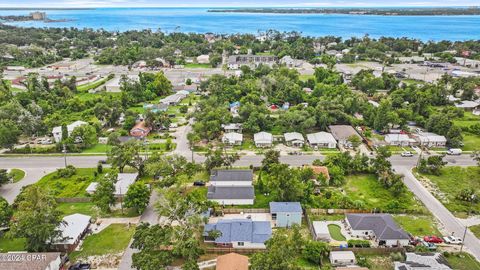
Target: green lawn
x=89 y=208
x=112 y=240
x=196 y=65
x=12 y=244
x=305 y=78
x=367 y=189
x=16 y=175
x=335 y=232
x=98 y=148
x=475 y=230
x=69 y=187
x=417 y=225
x=451 y=182
x=471 y=142
x=467 y=120
x=462 y=261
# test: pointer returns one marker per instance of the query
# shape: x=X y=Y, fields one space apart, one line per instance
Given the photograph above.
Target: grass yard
x=377 y=262
x=367 y=189
x=16 y=175
x=451 y=182
x=69 y=187
x=475 y=230
x=462 y=261
x=98 y=148
x=471 y=142
x=89 y=208
x=417 y=225
x=305 y=77
x=335 y=232
x=467 y=120
x=196 y=65
x=112 y=240
x=12 y=244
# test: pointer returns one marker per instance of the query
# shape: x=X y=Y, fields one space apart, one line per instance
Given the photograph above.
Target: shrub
x=358 y=243
x=67 y=172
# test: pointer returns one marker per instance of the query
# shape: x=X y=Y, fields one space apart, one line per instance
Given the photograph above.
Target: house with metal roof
x=263 y=139
x=233 y=127
x=429 y=139
x=232 y=138
x=57 y=131
x=294 y=139
x=423 y=261
x=321 y=140
x=239 y=233
x=399 y=139
x=286 y=214
x=231 y=195
x=343 y=133
x=235 y=177
x=72 y=228
x=378 y=227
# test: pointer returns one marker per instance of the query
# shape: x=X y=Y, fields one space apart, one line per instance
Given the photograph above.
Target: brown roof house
x=319 y=170
x=140 y=130
x=232 y=261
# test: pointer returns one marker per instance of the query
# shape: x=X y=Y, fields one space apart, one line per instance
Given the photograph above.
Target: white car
x=407 y=154
x=452 y=240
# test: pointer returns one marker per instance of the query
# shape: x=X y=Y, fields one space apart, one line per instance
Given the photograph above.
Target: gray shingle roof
x=232 y=175
x=240 y=230
x=382 y=225
x=230 y=192
x=285 y=207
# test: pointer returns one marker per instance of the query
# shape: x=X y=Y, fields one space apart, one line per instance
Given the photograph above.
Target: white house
x=399 y=139
x=203 y=59
x=429 y=139
x=467 y=105
x=263 y=139
x=342 y=258
x=57 y=131
x=73 y=228
x=379 y=227
x=321 y=140
x=239 y=233
x=174 y=99
x=294 y=139
x=232 y=138
x=234 y=127
x=320 y=231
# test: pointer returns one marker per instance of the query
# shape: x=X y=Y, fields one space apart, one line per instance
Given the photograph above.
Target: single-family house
x=321 y=140
x=140 y=130
x=320 y=231
x=467 y=105
x=263 y=139
x=203 y=59
x=342 y=258
x=57 y=131
x=319 y=171
x=155 y=108
x=239 y=233
x=294 y=139
x=289 y=62
x=232 y=138
x=231 y=195
x=175 y=98
x=124 y=181
x=286 y=214
x=235 y=177
x=429 y=139
x=234 y=127
x=232 y=261
x=72 y=228
x=423 y=261
x=379 y=227
x=31 y=261
x=343 y=133
x=399 y=139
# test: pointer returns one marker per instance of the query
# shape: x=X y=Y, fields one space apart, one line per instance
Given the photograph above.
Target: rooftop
x=230 y=192
x=343 y=132
x=382 y=225
x=240 y=230
x=231 y=175
x=285 y=207
x=72 y=228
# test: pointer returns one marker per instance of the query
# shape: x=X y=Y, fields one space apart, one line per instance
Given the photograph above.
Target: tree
x=138 y=196
x=37 y=219
x=127 y=154
x=271 y=157
x=4 y=177
x=315 y=251
x=6 y=212
x=432 y=165
x=285 y=184
x=87 y=135
x=355 y=141
x=104 y=194
x=218 y=158
x=9 y=133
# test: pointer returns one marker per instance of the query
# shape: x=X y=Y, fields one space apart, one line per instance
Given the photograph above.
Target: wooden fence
x=245 y=210
x=372 y=251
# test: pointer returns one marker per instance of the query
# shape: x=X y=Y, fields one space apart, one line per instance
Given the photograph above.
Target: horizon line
x=227 y=6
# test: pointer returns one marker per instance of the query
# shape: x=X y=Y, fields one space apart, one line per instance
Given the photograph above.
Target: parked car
x=433 y=239
x=199 y=183
x=430 y=246
x=452 y=240
x=102 y=161
x=454 y=152
x=80 y=266
x=407 y=154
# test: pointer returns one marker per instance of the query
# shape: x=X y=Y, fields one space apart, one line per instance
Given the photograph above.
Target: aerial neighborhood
x=150 y=149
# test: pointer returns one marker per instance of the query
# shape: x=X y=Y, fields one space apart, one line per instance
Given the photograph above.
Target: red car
x=433 y=239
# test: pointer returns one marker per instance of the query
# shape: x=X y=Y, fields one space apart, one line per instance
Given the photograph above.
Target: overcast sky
x=234 y=3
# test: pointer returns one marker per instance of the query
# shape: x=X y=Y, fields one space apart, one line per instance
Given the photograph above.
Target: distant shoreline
x=40 y=8
x=358 y=11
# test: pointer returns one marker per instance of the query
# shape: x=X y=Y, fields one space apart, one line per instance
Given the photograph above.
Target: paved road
x=451 y=223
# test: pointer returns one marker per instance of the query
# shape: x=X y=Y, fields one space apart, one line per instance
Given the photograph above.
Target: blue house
x=286 y=214
x=239 y=233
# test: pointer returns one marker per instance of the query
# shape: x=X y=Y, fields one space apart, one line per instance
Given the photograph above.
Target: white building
x=321 y=140
x=175 y=98
x=428 y=139
x=235 y=127
x=294 y=139
x=320 y=231
x=58 y=134
x=263 y=139
x=232 y=138
x=342 y=258
x=73 y=228
x=203 y=59
x=399 y=139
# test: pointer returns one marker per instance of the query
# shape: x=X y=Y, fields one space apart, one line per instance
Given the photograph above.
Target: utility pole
x=463 y=239
x=65 y=155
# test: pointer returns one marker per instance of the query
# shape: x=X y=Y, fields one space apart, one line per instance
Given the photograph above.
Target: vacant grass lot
x=12 y=244
x=475 y=230
x=451 y=182
x=471 y=142
x=462 y=261
x=367 y=189
x=98 y=148
x=417 y=225
x=112 y=240
x=335 y=232
x=69 y=187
